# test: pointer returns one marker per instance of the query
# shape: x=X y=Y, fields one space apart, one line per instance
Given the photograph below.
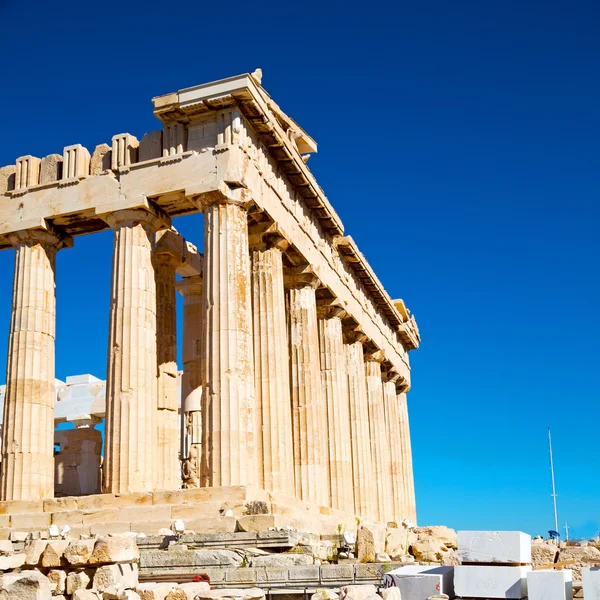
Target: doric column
x=392 y=423
x=309 y=412
x=166 y=262
x=409 y=479
x=362 y=459
x=131 y=386
x=191 y=384
x=273 y=413
x=228 y=456
x=379 y=442
x=335 y=389
x=28 y=431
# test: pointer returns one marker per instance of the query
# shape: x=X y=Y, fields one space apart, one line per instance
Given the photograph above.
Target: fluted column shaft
x=228 y=456
x=362 y=459
x=379 y=442
x=392 y=423
x=273 y=416
x=309 y=413
x=191 y=384
x=131 y=387
x=335 y=389
x=28 y=432
x=168 y=471
x=409 y=480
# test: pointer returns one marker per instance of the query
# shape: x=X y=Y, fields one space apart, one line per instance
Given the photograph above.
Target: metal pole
x=553 y=485
x=566 y=532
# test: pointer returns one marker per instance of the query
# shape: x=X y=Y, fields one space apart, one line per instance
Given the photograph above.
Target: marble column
x=392 y=423
x=273 y=415
x=191 y=384
x=379 y=443
x=228 y=456
x=409 y=480
x=335 y=390
x=309 y=412
x=168 y=470
x=28 y=431
x=131 y=386
x=362 y=459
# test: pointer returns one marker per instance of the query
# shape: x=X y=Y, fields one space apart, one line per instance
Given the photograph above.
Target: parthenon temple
x=293 y=387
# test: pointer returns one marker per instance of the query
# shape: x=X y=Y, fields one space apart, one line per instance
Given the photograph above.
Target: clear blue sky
x=459 y=143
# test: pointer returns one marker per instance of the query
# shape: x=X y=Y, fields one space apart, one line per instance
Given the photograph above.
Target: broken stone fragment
x=79 y=552
x=26 y=585
x=123 y=575
x=7 y=178
x=392 y=593
x=58 y=581
x=79 y=580
x=101 y=159
x=51 y=168
x=150 y=146
x=86 y=595
x=114 y=550
x=12 y=561
x=324 y=594
x=357 y=592
x=53 y=555
x=33 y=550
x=154 y=591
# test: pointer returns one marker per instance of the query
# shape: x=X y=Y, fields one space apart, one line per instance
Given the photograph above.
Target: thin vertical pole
x=553 y=485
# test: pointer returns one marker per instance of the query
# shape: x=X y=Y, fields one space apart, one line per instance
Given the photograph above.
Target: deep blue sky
x=458 y=141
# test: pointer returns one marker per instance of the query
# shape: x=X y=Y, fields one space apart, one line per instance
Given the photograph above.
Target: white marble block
x=491 y=582
x=494 y=547
x=444 y=577
x=591 y=583
x=550 y=585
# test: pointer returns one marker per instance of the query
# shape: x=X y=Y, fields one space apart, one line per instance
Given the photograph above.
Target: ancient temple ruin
x=295 y=358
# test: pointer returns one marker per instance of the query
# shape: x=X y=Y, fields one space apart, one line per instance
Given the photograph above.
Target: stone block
x=30 y=521
x=33 y=550
x=12 y=561
x=494 y=547
x=117 y=549
x=20 y=507
x=150 y=146
x=231 y=594
x=79 y=580
x=58 y=581
x=192 y=589
x=283 y=560
x=242 y=575
x=101 y=159
x=591 y=583
x=418 y=586
x=123 y=575
x=368 y=571
x=271 y=575
x=309 y=574
x=106 y=515
x=144 y=513
x=66 y=504
x=550 y=585
x=259 y=523
x=79 y=552
x=216 y=574
x=7 y=178
x=53 y=555
x=357 y=592
x=51 y=168
x=28 y=172
x=543 y=553
x=156 y=559
x=154 y=591
x=67 y=517
x=337 y=573
x=490 y=582
x=210 y=524
x=26 y=585
x=392 y=593
x=109 y=528
x=444 y=576
x=150 y=527
x=85 y=595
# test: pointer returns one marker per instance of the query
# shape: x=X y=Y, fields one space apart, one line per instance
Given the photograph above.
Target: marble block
x=550 y=585
x=591 y=583
x=494 y=547
x=490 y=582
x=444 y=575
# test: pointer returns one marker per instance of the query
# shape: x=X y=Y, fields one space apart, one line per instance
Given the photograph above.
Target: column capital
x=390 y=376
x=402 y=385
x=153 y=218
x=224 y=194
x=299 y=277
x=352 y=336
x=378 y=356
x=190 y=286
x=327 y=310
x=265 y=236
x=170 y=244
x=44 y=234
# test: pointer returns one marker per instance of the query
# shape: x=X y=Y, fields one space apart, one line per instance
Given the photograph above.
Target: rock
x=79 y=580
x=450 y=559
x=58 y=581
x=176 y=594
x=398 y=541
x=324 y=594
x=12 y=561
x=543 y=553
x=382 y=557
x=194 y=588
x=7 y=178
x=429 y=550
x=78 y=553
x=231 y=594
x=357 y=592
x=53 y=555
x=445 y=535
x=122 y=575
x=128 y=595
x=33 y=552
x=583 y=557
x=26 y=585
x=51 y=168
x=115 y=549
x=392 y=593
x=101 y=159
x=365 y=545
x=86 y=595
x=154 y=591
